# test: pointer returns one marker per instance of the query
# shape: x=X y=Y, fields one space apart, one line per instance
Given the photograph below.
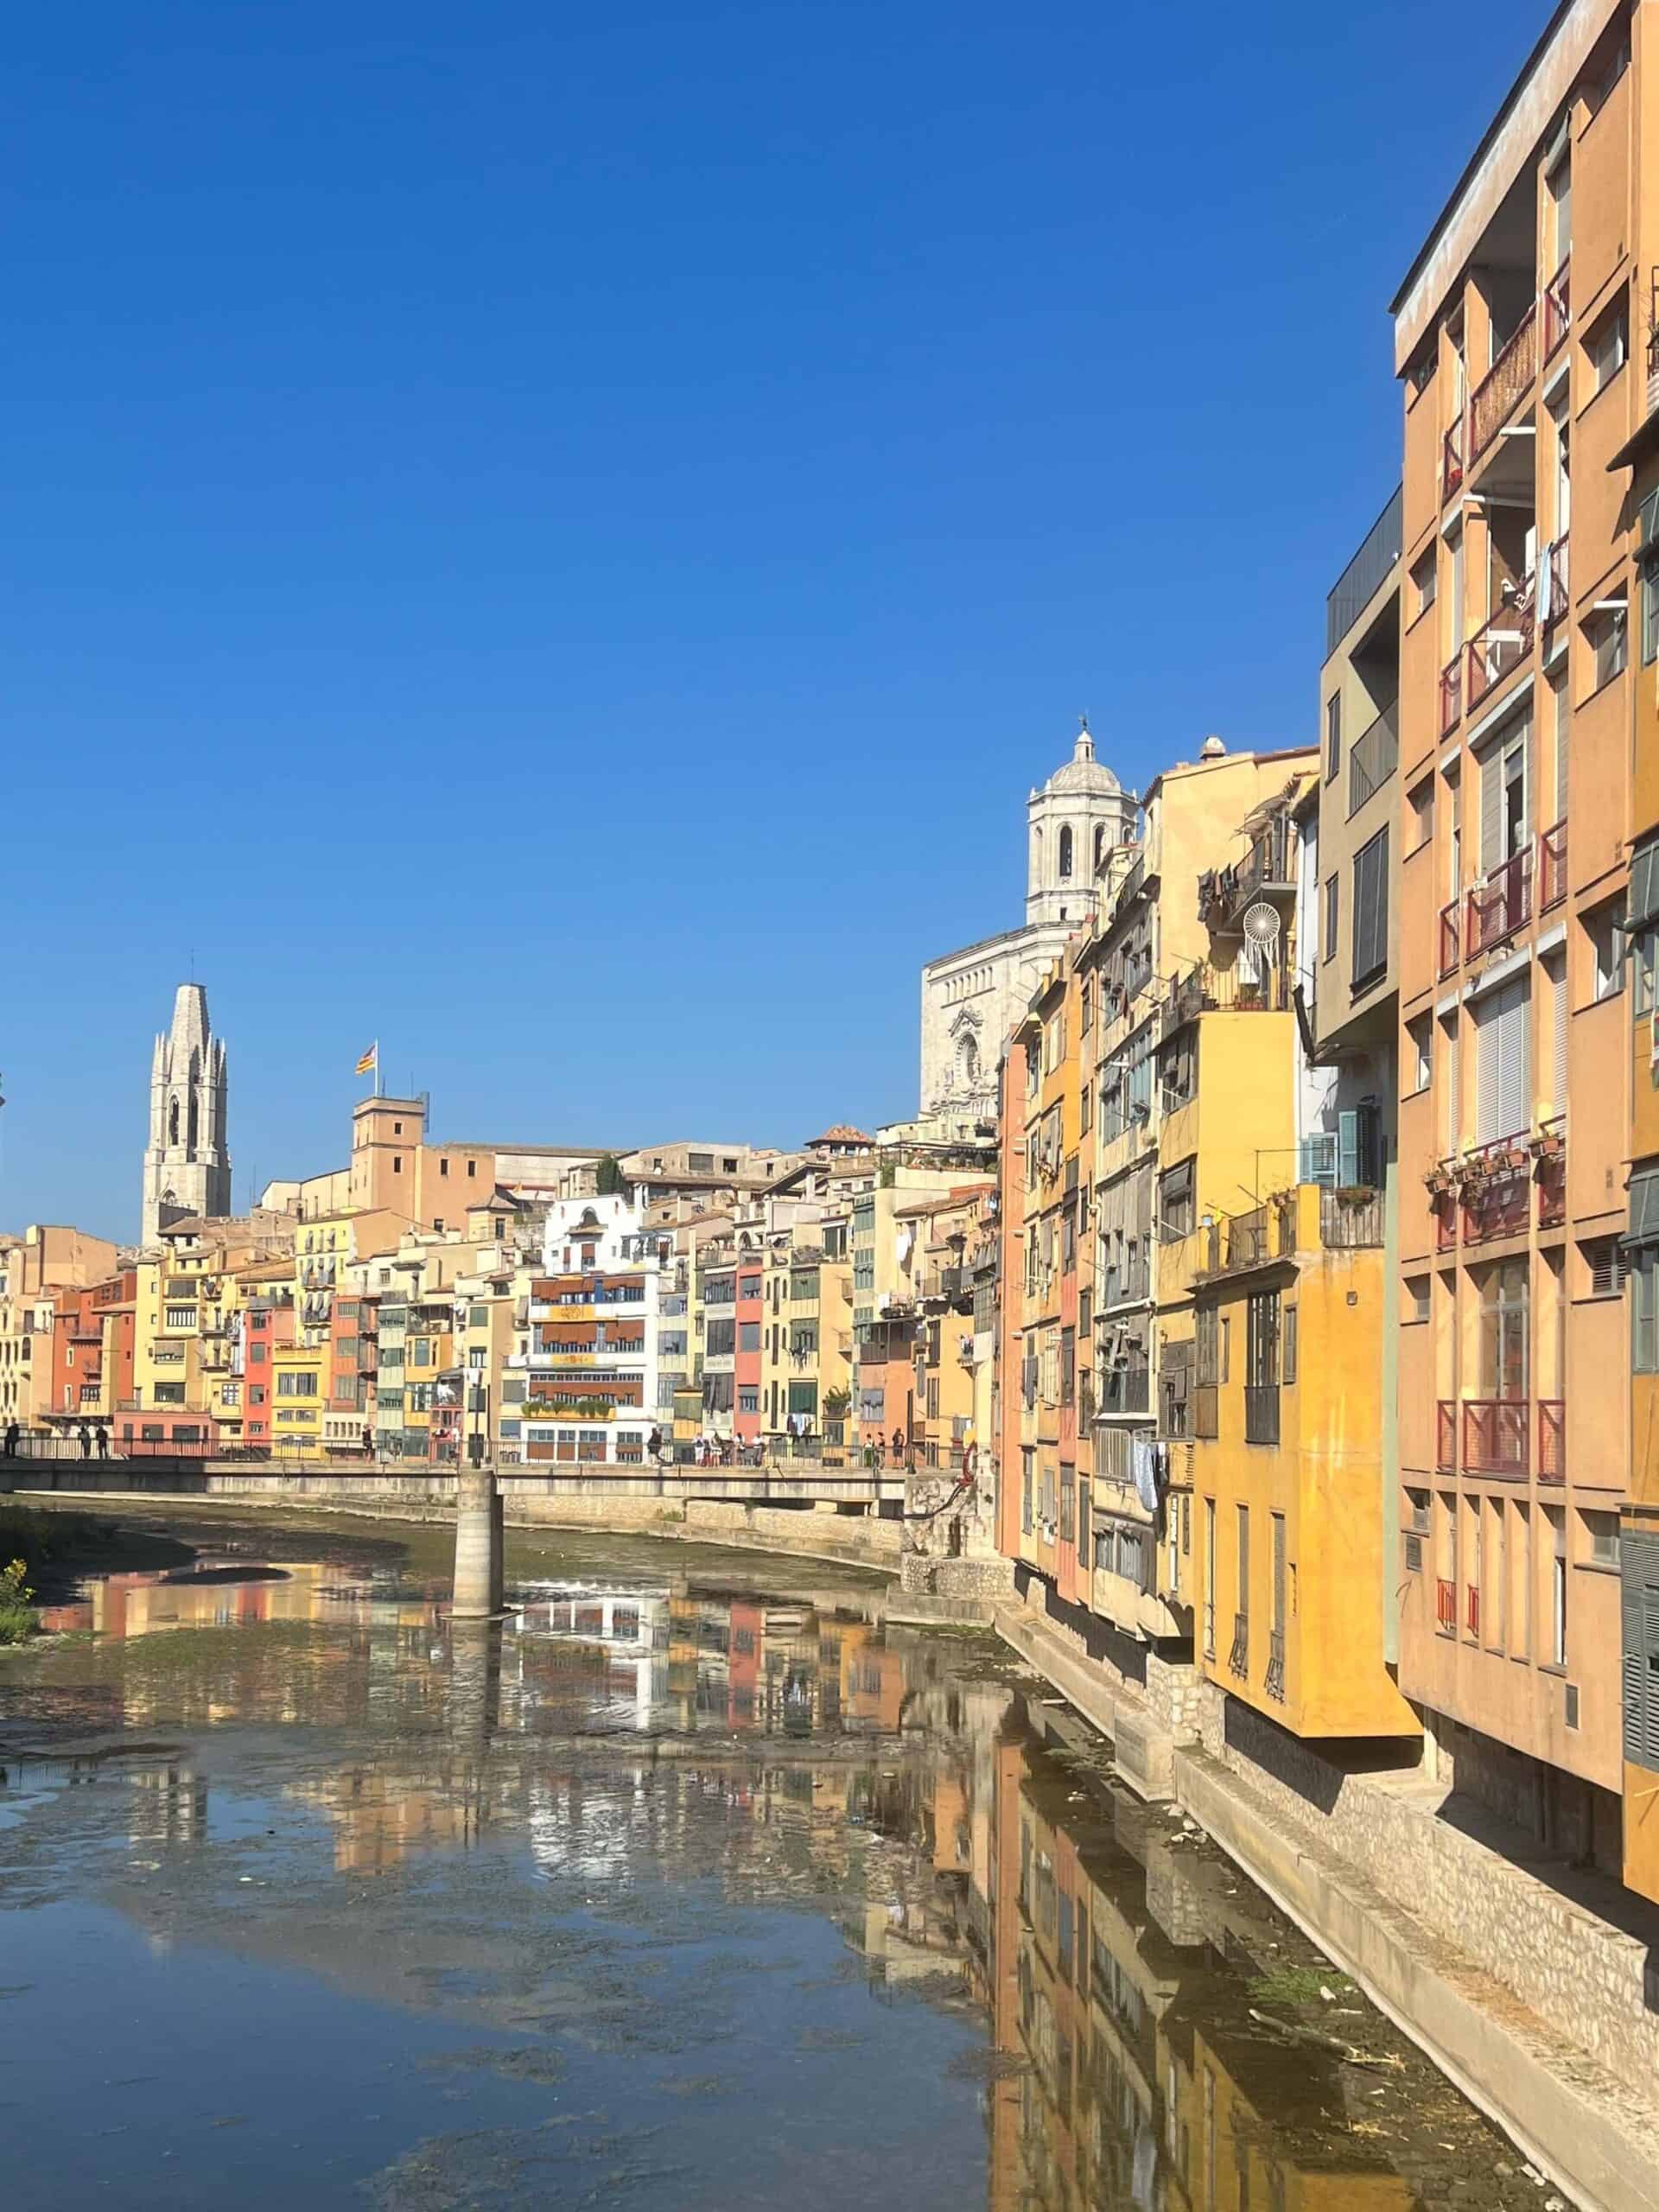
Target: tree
x=610 y=1180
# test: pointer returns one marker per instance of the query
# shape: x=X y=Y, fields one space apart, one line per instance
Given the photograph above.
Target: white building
x=971 y=999
x=582 y=1390
x=187 y=1161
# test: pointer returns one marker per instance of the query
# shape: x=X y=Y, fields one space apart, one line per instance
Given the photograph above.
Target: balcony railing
x=1373 y=757
x=1471 y=1610
x=1268 y=866
x=1446 y=1221
x=1449 y=953
x=1552 y=592
x=1446 y=1607
x=1558 y=308
x=1498 y=1202
x=1262 y=1413
x=1446 y=1437
x=1502 y=903
x=1359 y=581
x=1495 y=395
x=1275 y=1683
x=1351 y=1223
x=1503 y=642
x=1495 y=1437
x=1450 y=461
x=1125 y=1389
x=1552 y=1173
x=1552 y=1441
x=1452 y=692
x=1204 y=990
x=1238 y=1659
x=1551 y=866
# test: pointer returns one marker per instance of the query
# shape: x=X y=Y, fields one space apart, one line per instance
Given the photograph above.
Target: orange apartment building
x=1517 y=703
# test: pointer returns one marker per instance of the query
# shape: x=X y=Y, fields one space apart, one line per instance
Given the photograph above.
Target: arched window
x=1066 y=854
x=967 y=1061
x=1100 y=845
x=173 y=1123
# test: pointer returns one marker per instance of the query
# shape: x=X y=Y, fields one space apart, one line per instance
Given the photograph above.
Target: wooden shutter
x=1639 y=1595
x=1372 y=905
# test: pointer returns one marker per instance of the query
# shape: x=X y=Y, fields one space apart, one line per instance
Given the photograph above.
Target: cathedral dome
x=1082 y=772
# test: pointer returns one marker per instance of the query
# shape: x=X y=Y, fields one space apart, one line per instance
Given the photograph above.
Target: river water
x=686 y=1887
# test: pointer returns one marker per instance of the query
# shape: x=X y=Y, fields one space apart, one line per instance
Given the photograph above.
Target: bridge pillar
x=478 y=1588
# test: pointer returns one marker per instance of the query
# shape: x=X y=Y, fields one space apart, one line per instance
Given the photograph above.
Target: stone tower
x=187 y=1161
x=1074 y=820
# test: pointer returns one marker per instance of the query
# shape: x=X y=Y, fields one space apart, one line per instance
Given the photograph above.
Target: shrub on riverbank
x=41 y=1539
x=18 y=1621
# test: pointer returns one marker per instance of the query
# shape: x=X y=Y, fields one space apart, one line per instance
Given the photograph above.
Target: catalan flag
x=370 y=1063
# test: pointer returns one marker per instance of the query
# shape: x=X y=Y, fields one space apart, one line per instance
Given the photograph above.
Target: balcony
x=1446 y=1608
x=1373 y=757
x=1497 y=1200
x=1495 y=1437
x=1204 y=990
x=1502 y=903
x=1449 y=953
x=1125 y=1389
x=1446 y=1437
x=1445 y=1204
x=1451 y=462
x=1551 y=866
x=1494 y=398
x=1552 y=1441
x=1552 y=1173
x=1502 y=643
x=1452 y=692
x=1238 y=1659
x=1558 y=308
x=1269 y=866
x=1262 y=1413
x=1275 y=1683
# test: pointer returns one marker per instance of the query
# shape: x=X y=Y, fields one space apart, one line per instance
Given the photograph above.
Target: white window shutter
x=1487 y=1072
x=1492 y=808
x=1514 y=1070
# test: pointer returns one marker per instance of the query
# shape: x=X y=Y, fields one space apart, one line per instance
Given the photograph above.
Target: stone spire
x=187 y=1161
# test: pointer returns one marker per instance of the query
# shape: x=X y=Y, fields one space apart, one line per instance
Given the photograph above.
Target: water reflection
x=637 y=1825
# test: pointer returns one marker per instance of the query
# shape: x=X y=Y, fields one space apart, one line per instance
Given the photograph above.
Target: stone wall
x=1573 y=1947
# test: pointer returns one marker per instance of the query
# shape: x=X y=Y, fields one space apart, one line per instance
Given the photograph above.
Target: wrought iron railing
x=1503 y=642
x=1495 y=1436
x=1551 y=866
x=1494 y=398
x=1445 y=1436
x=1449 y=953
x=1238 y=1659
x=1275 y=1683
x=1502 y=903
x=1552 y=1441
x=1452 y=692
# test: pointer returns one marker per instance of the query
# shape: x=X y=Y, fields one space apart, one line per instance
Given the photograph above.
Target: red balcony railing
x=1446 y=1606
x=1495 y=1436
x=1503 y=642
x=1449 y=936
x=1498 y=1206
x=1450 y=461
x=1446 y=1437
x=1495 y=395
x=1557 y=309
x=1551 y=866
x=1502 y=905
x=1552 y=590
x=1552 y=1441
x=1452 y=693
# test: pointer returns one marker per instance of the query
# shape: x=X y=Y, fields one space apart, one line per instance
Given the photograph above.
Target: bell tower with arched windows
x=187 y=1161
x=1074 y=821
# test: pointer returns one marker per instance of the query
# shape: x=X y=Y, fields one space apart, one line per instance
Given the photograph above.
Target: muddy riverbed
x=687 y=1886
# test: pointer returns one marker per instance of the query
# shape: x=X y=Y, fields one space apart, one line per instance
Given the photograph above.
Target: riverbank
x=53 y=1550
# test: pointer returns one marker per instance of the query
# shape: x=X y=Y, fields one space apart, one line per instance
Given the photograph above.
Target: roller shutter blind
x=1503 y=1070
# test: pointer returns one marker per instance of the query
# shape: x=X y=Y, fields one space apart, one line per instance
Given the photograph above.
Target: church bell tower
x=187 y=1161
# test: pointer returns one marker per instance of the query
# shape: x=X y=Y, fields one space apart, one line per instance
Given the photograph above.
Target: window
x=1644 y=1305
x=1332 y=914
x=1028 y=1458
x=180 y=1317
x=1601 y=1538
x=1424 y=581
x=1422 y=813
x=1086 y=1005
x=1420 y=1055
x=1332 y=736
x=443 y=1168
x=748 y=1336
x=1289 y=1358
x=1607 y=1266
x=297 y=1383
x=1209 y=1578
x=1555 y=1519
x=1261 y=1341
x=1604 y=632
x=1649 y=612
x=1370 y=908
x=397 y=1164
x=1066 y=854
x=1607 y=346
x=1503 y=1063
x=1085 y=1110
x=1504 y=1327
x=1175 y=1203
x=1416 y=1301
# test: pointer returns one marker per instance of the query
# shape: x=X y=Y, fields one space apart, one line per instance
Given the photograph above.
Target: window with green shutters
x=1639 y=1589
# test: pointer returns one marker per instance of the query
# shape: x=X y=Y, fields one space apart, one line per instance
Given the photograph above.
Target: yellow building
x=297 y=1388
x=1287 y=1412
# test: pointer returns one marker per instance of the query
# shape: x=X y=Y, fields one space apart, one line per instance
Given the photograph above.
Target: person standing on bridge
x=103 y=1436
x=12 y=1434
x=85 y=1435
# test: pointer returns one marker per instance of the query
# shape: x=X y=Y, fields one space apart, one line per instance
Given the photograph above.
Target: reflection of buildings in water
x=625 y=1633
x=1136 y=2091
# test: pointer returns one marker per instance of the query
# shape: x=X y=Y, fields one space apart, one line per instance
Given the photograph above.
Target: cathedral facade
x=971 y=999
x=188 y=1159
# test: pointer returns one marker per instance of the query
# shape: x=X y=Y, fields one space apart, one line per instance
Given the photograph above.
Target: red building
x=746 y=1370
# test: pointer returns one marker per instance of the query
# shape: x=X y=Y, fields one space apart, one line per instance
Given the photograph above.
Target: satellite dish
x=1261 y=928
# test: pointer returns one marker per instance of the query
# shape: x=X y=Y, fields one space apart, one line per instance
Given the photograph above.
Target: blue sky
x=561 y=537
